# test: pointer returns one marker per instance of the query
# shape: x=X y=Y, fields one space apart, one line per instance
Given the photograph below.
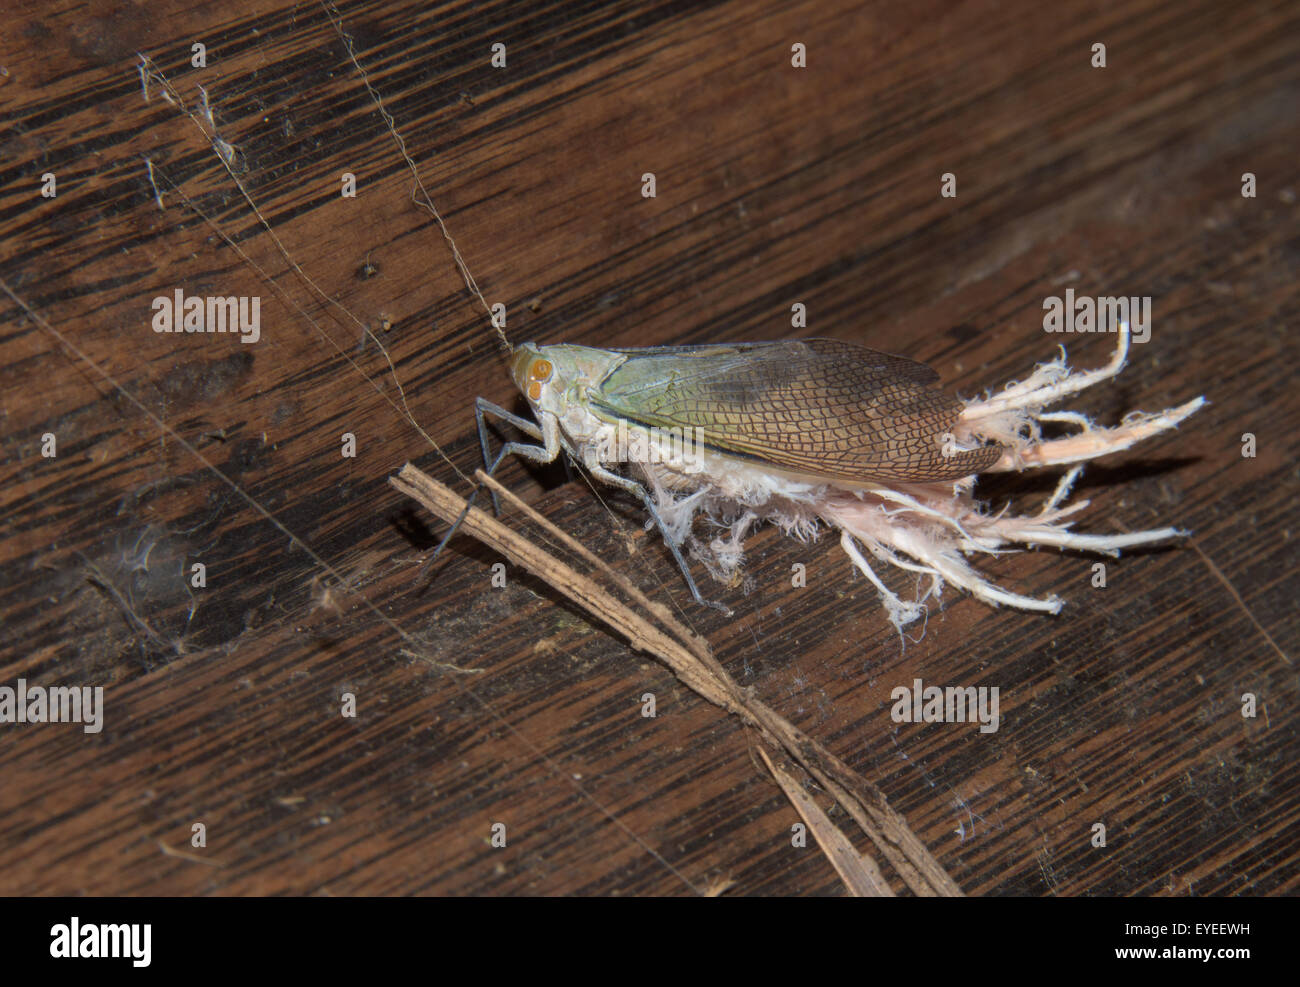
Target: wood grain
x=774 y=185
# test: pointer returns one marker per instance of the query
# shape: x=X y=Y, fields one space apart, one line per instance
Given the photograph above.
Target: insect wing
x=819 y=407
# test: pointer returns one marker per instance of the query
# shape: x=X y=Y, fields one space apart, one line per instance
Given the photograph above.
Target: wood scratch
x=193 y=858
x=1240 y=602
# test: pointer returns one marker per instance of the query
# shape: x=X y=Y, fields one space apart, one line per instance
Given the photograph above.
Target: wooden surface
x=775 y=185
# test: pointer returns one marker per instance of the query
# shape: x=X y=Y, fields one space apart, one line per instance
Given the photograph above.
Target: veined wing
x=725 y=358
x=821 y=407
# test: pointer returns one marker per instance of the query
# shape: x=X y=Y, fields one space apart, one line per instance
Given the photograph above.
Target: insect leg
x=483 y=408
x=549 y=433
x=632 y=487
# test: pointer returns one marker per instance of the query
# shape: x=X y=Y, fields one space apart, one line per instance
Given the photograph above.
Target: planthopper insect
x=822 y=433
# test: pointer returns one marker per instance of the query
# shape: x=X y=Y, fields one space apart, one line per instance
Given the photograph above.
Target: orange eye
x=541 y=371
x=534 y=390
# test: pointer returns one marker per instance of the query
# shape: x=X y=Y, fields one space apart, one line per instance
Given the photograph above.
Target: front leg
x=549 y=433
x=483 y=408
